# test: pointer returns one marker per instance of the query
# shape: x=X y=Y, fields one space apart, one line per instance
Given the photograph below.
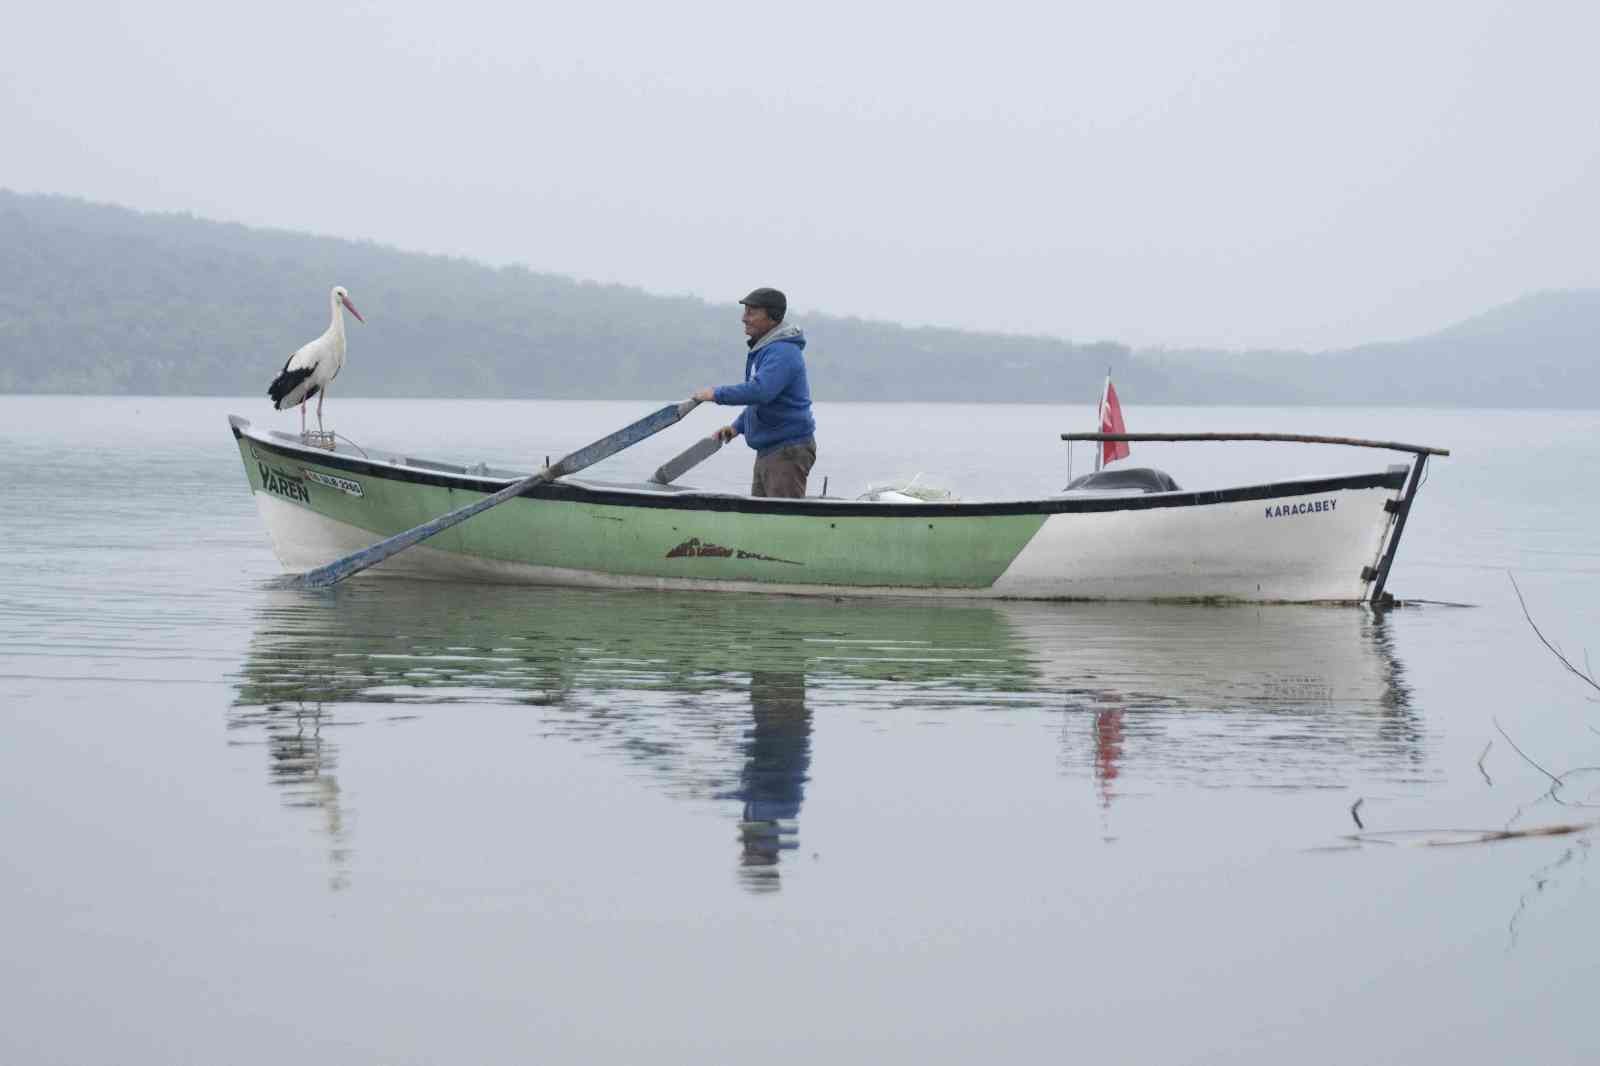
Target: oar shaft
x=339 y=569
x=626 y=437
x=586 y=456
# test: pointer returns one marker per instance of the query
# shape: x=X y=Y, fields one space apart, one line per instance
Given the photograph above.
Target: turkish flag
x=1111 y=422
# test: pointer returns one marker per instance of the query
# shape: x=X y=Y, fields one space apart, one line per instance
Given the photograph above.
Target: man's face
x=757 y=322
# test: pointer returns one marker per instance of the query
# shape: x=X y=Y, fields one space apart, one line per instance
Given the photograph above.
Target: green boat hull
x=583 y=537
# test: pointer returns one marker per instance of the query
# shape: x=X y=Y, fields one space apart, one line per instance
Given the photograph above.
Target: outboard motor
x=1128 y=479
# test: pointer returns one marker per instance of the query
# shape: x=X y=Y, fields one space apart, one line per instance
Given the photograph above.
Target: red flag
x=1111 y=422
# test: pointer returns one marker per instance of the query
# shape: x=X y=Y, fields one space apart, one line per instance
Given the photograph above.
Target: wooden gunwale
x=1292 y=438
x=688 y=500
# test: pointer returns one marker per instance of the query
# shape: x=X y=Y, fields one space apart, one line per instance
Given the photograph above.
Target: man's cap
x=770 y=300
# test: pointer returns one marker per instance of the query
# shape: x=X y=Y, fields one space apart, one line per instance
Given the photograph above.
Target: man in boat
x=776 y=420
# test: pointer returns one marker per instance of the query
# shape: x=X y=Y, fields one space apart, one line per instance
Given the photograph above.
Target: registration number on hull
x=343 y=484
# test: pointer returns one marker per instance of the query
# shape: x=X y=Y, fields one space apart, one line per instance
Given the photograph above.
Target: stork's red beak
x=352 y=308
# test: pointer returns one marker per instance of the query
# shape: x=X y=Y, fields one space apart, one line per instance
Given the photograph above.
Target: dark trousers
x=784 y=472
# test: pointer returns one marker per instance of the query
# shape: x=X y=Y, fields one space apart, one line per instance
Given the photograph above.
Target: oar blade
x=692 y=457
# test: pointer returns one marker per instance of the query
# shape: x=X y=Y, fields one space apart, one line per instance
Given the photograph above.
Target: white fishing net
x=907 y=490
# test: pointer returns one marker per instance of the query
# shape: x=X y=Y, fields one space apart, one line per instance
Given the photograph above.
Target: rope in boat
x=354 y=445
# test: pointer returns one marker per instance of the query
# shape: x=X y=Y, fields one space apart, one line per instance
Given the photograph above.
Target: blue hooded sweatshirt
x=775 y=393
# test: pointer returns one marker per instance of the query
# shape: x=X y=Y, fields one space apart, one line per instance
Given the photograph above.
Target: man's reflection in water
x=777 y=758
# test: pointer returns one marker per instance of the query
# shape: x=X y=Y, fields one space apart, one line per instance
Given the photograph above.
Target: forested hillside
x=99 y=299
x=105 y=300
x=1537 y=351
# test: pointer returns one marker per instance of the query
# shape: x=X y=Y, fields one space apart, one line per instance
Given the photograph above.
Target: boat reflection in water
x=715 y=697
x=1274 y=697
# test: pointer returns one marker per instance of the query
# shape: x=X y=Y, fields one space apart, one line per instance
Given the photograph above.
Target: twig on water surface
x=1445 y=838
x=1587 y=678
x=1469 y=836
x=1580 y=834
x=1556 y=780
x=1541 y=878
x=1565 y=829
x=1490 y=836
x=1525 y=757
x=1439 y=838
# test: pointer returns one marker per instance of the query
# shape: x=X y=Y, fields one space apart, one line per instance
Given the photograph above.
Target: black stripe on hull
x=688 y=501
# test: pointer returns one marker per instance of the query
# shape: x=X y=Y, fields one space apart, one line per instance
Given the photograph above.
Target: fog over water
x=1244 y=174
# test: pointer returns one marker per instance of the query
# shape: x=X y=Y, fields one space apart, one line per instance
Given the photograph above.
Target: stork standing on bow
x=310 y=370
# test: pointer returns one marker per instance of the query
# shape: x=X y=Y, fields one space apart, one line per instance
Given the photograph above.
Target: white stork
x=309 y=371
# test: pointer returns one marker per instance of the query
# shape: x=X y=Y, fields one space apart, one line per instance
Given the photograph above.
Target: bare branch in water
x=1490 y=836
x=1442 y=838
x=1556 y=780
x=1541 y=878
x=1526 y=758
x=1587 y=678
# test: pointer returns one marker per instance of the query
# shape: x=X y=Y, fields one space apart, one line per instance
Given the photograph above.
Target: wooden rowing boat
x=1325 y=539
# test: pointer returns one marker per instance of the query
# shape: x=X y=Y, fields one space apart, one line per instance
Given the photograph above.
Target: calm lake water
x=401 y=822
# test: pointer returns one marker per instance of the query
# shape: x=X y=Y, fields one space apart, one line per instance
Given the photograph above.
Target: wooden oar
x=673 y=469
x=650 y=425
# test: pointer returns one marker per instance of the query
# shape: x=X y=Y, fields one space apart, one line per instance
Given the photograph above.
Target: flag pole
x=1100 y=420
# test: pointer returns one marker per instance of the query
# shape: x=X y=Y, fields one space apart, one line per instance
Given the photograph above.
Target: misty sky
x=1235 y=173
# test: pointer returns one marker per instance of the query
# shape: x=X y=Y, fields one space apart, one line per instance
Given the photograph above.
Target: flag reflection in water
x=1107 y=750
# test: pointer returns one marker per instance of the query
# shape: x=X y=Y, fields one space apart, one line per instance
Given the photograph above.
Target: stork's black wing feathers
x=285 y=383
